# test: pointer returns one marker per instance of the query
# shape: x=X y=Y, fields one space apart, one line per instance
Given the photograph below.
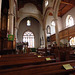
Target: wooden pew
x=13 y=62
x=72 y=52
x=42 y=69
x=62 y=53
x=5 y=51
x=72 y=55
x=17 y=55
x=41 y=51
x=44 y=51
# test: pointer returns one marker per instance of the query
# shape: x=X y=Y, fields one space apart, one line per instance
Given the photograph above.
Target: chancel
x=37 y=37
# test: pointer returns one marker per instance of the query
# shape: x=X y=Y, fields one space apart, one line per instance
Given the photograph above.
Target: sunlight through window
x=29 y=37
x=69 y=21
x=46 y=3
x=52 y=27
x=28 y=22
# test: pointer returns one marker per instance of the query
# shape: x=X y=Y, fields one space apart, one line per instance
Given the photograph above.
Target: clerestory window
x=69 y=21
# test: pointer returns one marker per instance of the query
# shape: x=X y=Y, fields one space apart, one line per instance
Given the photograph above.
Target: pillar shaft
x=57 y=33
x=11 y=16
x=45 y=38
x=11 y=24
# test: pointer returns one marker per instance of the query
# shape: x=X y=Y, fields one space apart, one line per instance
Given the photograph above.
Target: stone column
x=57 y=32
x=11 y=16
x=16 y=29
x=11 y=24
x=0 y=12
x=45 y=37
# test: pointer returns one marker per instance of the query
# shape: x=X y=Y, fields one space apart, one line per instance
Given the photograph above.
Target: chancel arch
x=35 y=27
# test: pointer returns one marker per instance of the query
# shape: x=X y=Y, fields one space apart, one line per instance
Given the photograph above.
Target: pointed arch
x=28 y=36
x=69 y=21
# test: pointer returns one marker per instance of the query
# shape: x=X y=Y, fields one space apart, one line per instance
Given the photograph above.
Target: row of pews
x=39 y=66
x=60 y=53
x=42 y=69
x=35 y=64
x=18 y=60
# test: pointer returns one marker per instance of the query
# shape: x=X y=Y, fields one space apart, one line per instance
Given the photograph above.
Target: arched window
x=69 y=21
x=48 y=29
x=52 y=27
x=29 y=37
x=46 y=3
x=72 y=41
x=28 y=22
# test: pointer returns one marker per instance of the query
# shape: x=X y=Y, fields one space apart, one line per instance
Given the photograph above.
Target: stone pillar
x=11 y=24
x=11 y=16
x=16 y=29
x=45 y=37
x=57 y=32
x=0 y=12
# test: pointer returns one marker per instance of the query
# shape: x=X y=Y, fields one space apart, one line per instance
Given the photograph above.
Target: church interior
x=37 y=37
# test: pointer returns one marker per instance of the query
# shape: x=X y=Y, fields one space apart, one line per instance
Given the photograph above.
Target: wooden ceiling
x=65 y=6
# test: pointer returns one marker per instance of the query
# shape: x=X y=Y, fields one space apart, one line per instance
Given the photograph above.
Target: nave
x=37 y=37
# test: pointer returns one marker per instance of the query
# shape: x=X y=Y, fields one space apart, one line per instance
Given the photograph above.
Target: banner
x=10 y=37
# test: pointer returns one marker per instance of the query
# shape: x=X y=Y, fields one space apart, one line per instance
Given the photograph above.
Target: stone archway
x=35 y=28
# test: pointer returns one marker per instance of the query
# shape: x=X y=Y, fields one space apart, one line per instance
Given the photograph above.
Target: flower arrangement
x=19 y=45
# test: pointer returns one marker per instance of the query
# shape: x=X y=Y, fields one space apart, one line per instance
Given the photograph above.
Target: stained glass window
x=29 y=37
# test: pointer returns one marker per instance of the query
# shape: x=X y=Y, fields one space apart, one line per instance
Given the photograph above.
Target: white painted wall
x=35 y=28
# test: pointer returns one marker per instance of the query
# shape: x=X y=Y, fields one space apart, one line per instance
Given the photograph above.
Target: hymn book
x=47 y=59
x=39 y=55
x=67 y=66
